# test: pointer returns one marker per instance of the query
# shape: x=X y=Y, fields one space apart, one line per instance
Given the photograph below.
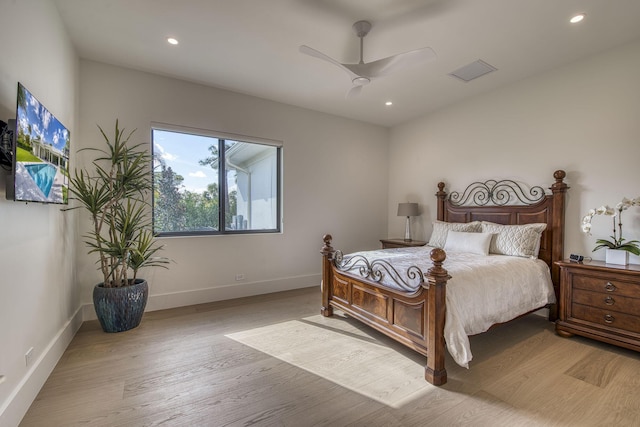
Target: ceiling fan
x=361 y=74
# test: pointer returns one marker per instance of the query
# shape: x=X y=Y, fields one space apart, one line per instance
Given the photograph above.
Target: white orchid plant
x=617 y=241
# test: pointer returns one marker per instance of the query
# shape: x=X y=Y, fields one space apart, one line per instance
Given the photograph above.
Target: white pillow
x=440 y=229
x=516 y=240
x=475 y=243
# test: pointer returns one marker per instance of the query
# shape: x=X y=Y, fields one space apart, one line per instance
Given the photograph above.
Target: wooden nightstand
x=600 y=301
x=400 y=243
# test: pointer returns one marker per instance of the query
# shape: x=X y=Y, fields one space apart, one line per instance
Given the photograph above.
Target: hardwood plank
x=596 y=368
x=483 y=409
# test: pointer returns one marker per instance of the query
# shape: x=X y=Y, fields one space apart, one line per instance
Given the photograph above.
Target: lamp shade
x=407 y=209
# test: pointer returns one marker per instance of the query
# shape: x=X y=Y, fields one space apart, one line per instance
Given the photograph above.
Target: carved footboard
x=414 y=319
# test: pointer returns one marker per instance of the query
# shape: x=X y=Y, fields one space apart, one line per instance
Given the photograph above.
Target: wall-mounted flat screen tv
x=40 y=154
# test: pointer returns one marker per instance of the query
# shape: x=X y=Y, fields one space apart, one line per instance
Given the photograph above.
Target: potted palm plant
x=114 y=191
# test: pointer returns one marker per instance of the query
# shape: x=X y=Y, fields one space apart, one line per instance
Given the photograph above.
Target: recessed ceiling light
x=172 y=41
x=388 y=103
x=577 y=18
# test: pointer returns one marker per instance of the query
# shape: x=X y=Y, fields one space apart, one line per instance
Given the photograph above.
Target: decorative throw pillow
x=516 y=240
x=475 y=243
x=440 y=229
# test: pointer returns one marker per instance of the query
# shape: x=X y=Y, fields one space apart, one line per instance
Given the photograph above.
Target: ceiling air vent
x=473 y=71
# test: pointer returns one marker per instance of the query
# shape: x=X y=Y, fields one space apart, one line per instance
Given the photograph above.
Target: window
x=208 y=183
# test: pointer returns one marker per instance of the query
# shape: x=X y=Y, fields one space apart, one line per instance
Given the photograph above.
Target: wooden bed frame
x=417 y=319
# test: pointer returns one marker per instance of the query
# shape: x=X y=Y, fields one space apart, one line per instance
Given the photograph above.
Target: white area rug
x=340 y=352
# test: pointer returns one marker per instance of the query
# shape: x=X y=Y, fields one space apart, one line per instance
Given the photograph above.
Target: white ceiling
x=251 y=46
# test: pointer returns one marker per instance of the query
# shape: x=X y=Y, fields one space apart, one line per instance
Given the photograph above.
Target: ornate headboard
x=508 y=202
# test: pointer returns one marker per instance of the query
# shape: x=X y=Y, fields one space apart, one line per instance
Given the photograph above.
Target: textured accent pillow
x=440 y=229
x=516 y=240
x=475 y=243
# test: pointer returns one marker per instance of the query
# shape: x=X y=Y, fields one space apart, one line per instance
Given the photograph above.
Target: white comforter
x=482 y=291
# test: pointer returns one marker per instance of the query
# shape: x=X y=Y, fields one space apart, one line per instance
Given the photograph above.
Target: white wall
x=583 y=118
x=39 y=300
x=335 y=181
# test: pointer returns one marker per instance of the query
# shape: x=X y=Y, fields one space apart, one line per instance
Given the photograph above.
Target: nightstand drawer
x=392 y=245
x=606 y=301
x=608 y=285
x=400 y=243
x=607 y=318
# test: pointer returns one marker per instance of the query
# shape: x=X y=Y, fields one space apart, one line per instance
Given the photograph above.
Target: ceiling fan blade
x=317 y=54
x=386 y=66
x=354 y=91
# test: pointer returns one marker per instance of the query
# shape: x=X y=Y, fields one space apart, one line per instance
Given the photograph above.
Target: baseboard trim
x=19 y=401
x=219 y=293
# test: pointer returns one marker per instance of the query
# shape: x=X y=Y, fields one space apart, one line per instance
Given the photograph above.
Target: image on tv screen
x=41 y=172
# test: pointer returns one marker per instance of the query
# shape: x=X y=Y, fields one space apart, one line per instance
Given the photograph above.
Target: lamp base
x=407 y=231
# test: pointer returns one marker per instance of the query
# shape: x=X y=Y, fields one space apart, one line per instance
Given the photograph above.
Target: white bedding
x=483 y=290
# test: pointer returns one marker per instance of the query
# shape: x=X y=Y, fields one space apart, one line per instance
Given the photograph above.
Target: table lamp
x=408 y=210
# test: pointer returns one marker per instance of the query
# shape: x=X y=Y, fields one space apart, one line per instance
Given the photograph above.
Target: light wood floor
x=182 y=367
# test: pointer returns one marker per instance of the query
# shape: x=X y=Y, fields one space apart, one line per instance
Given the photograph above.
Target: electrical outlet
x=239 y=276
x=28 y=357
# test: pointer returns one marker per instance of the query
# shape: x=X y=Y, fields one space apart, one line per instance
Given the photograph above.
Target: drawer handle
x=609 y=301
x=610 y=287
x=608 y=318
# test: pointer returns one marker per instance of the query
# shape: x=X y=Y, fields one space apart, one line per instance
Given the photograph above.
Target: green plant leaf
x=603 y=243
x=631 y=247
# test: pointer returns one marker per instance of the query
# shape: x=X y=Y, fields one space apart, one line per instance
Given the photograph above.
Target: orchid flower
x=617 y=241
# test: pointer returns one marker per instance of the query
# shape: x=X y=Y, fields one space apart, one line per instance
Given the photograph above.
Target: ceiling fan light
x=361 y=81
x=577 y=18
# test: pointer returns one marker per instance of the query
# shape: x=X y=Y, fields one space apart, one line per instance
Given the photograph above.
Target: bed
x=408 y=303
